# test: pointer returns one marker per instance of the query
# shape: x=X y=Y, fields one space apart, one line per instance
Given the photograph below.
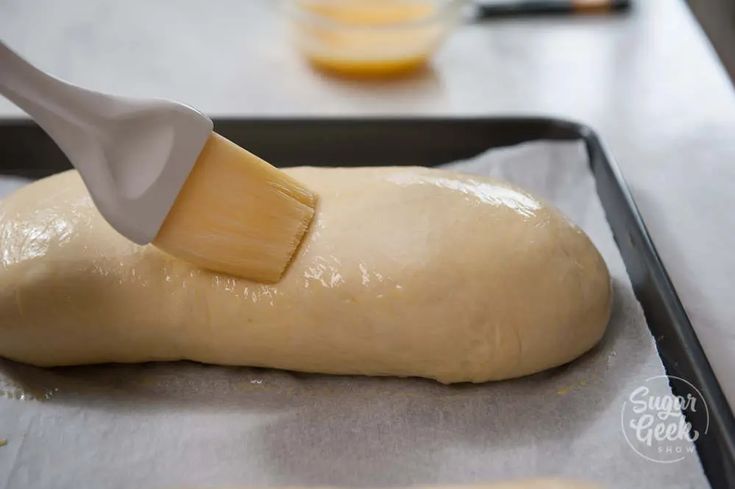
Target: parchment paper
x=185 y=424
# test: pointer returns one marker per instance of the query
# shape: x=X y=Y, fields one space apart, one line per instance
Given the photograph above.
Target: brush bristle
x=237 y=214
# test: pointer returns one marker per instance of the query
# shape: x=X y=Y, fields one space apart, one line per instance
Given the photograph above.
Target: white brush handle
x=134 y=155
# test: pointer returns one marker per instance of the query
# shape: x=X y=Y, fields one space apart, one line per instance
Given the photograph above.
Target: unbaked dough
x=405 y=272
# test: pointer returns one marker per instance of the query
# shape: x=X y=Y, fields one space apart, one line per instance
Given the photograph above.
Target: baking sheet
x=185 y=424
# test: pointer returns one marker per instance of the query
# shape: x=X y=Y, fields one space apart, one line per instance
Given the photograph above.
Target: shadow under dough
x=358 y=428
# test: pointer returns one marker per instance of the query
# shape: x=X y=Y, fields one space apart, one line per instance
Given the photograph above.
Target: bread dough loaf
x=405 y=272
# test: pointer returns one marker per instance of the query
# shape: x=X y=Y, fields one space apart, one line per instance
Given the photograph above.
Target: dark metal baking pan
x=26 y=151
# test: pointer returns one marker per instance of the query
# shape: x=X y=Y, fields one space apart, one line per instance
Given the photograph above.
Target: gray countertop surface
x=648 y=81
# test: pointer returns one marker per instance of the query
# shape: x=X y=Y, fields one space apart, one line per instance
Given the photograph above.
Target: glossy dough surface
x=405 y=271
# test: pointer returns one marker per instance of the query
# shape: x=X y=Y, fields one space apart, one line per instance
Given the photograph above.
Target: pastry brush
x=158 y=174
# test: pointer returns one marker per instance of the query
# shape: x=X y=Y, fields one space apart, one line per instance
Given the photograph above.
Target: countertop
x=647 y=81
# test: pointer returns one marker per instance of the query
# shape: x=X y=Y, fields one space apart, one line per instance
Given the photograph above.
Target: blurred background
x=718 y=19
x=376 y=56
